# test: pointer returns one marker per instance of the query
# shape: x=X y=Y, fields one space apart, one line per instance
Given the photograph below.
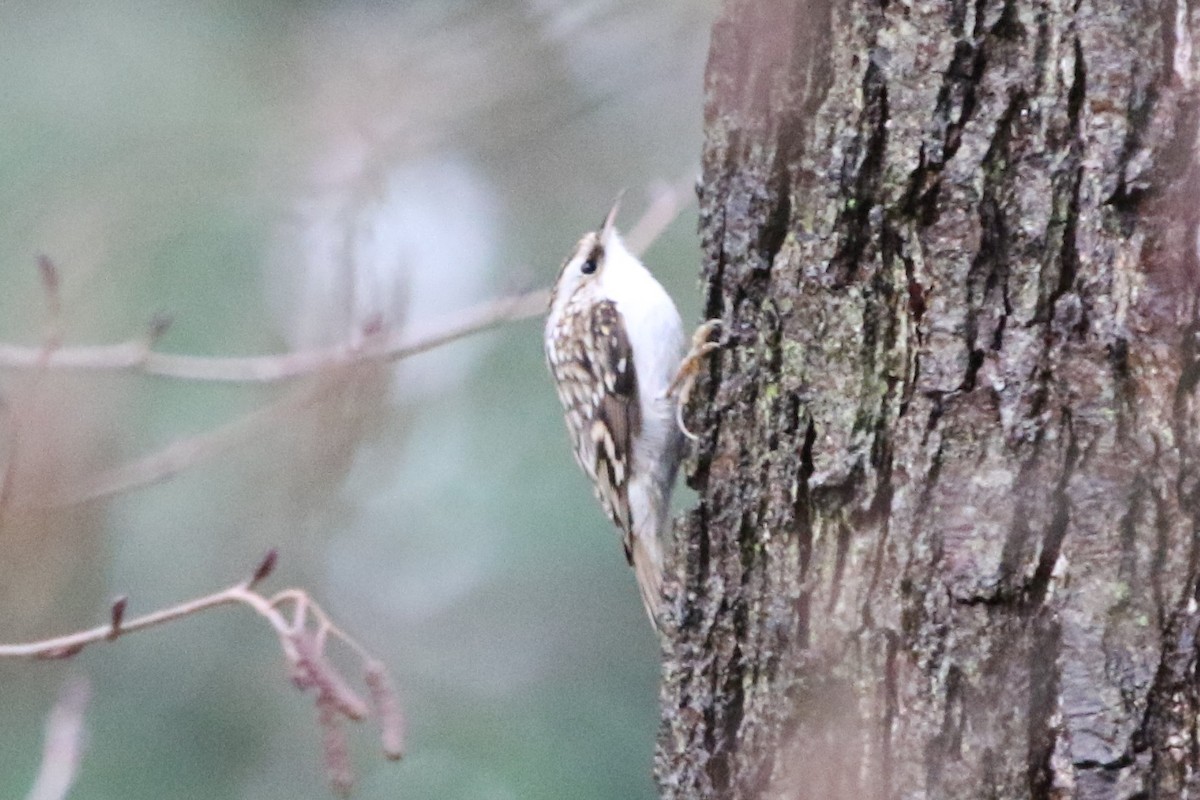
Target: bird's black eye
x=589 y=266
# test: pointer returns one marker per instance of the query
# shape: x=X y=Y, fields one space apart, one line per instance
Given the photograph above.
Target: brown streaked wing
x=618 y=418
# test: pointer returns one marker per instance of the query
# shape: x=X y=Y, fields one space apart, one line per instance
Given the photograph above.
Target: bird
x=614 y=344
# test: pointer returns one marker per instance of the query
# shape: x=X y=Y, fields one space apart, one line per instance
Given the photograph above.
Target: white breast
x=655 y=333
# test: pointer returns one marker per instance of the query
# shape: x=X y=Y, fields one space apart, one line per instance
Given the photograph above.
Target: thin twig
x=179 y=454
x=669 y=200
x=136 y=356
x=303 y=647
x=238 y=594
x=139 y=356
x=63 y=747
x=69 y=645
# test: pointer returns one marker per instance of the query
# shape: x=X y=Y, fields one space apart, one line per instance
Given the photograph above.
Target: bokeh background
x=276 y=176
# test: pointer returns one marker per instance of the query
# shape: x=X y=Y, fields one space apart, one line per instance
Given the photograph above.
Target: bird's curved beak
x=610 y=219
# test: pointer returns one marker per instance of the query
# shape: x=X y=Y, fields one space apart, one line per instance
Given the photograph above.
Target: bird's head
x=586 y=265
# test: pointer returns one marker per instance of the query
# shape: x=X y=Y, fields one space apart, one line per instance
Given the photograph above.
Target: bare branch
x=179 y=454
x=137 y=355
x=63 y=747
x=669 y=200
x=302 y=639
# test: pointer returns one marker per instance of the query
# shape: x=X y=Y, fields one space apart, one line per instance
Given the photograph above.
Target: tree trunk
x=946 y=541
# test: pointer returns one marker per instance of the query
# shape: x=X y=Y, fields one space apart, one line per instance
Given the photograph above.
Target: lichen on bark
x=946 y=540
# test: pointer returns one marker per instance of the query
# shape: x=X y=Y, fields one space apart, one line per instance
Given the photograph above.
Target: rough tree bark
x=946 y=541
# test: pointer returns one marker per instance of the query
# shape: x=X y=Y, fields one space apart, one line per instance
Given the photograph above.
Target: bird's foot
x=685 y=378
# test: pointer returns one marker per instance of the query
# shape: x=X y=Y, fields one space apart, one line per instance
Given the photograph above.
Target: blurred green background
x=274 y=176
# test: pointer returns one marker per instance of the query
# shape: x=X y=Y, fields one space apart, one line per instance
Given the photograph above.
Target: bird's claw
x=689 y=368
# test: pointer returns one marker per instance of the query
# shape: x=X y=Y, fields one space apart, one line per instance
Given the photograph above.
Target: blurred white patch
x=561 y=20
x=398 y=249
x=414 y=560
x=425 y=580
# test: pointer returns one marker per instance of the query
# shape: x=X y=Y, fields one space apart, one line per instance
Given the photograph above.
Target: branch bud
x=49 y=275
x=159 y=324
x=264 y=568
x=116 y=616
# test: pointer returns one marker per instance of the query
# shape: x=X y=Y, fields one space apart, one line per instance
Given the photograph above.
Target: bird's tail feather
x=648 y=568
